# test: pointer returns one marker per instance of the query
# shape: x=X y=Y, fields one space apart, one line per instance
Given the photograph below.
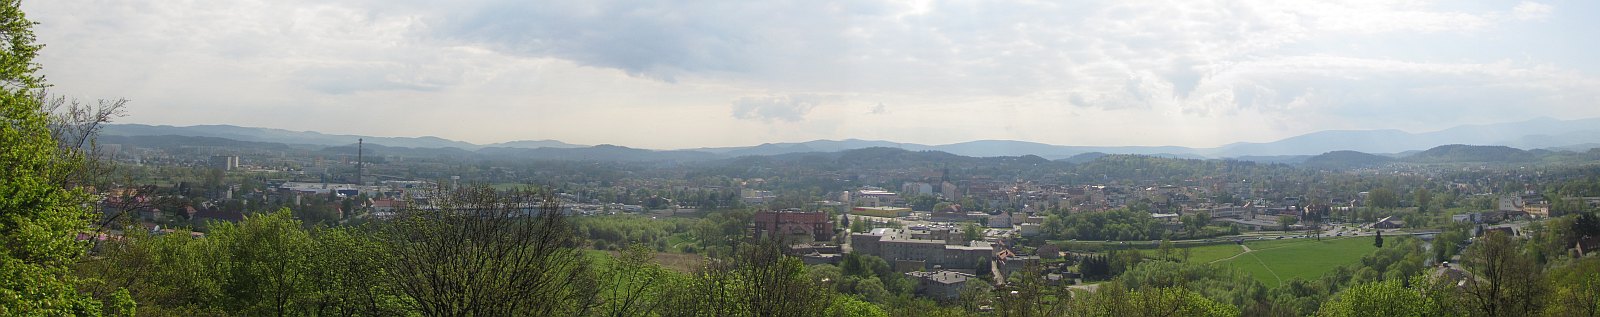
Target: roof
x=942 y=277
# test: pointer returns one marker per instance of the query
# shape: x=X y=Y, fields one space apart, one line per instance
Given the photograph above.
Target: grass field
x=1212 y=253
x=1275 y=261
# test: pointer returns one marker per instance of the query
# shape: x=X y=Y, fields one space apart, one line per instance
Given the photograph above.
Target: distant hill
x=279 y=135
x=603 y=152
x=810 y=146
x=1542 y=133
x=1344 y=160
x=1273 y=159
x=312 y=138
x=534 y=144
x=1535 y=133
x=1083 y=158
x=383 y=150
x=179 y=141
x=1460 y=153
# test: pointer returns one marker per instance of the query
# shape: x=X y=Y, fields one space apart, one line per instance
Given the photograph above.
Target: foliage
x=41 y=207
x=1387 y=298
x=1211 y=281
x=1172 y=301
x=1575 y=289
x=1110 y=225
x=758 y=281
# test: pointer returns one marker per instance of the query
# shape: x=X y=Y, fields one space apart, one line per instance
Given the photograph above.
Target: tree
x=972 y=232
x=758 y=280
x=1390 y=298
x=1506 y=281
x=1575 y=289
x=922 y=203
x=1423 y=197
x=479 y=252
x=41 y=206
x=1026 y=293
x=1377 y=239
x=1382 y=198
x=1286 y=221
x=1173 y=301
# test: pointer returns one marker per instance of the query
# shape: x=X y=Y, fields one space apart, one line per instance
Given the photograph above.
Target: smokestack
x=358 y=162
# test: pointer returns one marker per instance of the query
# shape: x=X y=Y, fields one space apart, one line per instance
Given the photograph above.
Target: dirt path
x=1269 y=269
x=1246 y=250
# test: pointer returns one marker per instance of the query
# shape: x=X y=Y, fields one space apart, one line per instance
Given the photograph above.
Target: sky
x=684 y=74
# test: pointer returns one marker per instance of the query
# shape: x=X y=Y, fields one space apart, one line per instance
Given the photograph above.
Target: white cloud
x=775 y=108
x=1529 y=10
x=1046 y=71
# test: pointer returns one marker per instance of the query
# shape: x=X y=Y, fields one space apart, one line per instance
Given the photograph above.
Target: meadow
x=1275 y=261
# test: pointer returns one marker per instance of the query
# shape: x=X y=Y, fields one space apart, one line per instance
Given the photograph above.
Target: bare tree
x=474 y=251
x=1507 y=281
x=758 y=280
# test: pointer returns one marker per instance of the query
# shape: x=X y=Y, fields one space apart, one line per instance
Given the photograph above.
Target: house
x=1012 y=263
x=941 y=285
x=386 y=208
x=1389 y=222
x=793 y=225
x=1586 y=245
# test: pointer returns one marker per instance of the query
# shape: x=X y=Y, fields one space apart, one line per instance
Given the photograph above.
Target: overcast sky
x=729 y=73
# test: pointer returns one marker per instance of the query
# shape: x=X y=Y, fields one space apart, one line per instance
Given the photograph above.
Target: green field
x=1275 y=261
x=1212 y=253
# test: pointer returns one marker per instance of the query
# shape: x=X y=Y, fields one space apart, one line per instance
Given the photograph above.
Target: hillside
x=1345 y=159
x=1460 y=153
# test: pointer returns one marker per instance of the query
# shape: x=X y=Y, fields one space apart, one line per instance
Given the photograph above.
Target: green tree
x=758 y=280
x=1575 y=289
x=972 y=232
x=1382 y=198
x=922 y=202
x=41 y=207
x=1424 y=197
x=1389 y=298
x=1117 y=301
x=265 y=264
x=1377 y=239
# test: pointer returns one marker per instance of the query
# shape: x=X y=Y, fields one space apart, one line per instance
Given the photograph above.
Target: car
x=1279 y=238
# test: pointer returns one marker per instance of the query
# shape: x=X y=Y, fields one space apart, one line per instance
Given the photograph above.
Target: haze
x=694 y=74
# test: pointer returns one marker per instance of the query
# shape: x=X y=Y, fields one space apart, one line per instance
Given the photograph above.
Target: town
x=796 y=158
x=939 y=226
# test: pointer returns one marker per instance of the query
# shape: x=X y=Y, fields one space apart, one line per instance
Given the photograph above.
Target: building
x=224 y=162
x=939 y=247
x=1389 y=222
x=886 y=212
x=873 y=197
x=941 y=285
x=757 y=197
x=793 y=225
x=916 y=188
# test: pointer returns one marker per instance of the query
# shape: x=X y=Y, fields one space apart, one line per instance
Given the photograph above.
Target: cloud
x=775 y=108
x=1040 y=66
x=1529 y=11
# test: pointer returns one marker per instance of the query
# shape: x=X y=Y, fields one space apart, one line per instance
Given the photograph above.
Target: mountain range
x=1542 y=133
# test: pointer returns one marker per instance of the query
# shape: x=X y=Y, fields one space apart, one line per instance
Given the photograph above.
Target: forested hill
x=1345 y=159
x=1458 y=153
